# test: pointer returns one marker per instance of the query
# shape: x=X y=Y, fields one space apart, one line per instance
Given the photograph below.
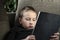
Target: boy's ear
x=20 y=20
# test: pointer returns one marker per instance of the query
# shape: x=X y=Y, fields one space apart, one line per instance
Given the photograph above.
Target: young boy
x=25 y=23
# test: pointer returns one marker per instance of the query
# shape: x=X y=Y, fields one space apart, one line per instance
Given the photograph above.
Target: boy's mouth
x=30 y=26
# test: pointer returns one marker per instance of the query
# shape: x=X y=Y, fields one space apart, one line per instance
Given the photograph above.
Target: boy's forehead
x=29 y=13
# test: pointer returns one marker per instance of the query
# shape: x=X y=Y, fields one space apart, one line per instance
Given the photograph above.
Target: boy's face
x=28 y=20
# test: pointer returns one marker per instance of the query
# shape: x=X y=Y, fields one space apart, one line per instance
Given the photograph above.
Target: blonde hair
x=26 y=8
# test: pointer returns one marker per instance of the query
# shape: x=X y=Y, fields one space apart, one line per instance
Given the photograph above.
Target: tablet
x=47 y=24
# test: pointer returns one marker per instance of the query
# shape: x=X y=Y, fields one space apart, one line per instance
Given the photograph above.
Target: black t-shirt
x=17 y=33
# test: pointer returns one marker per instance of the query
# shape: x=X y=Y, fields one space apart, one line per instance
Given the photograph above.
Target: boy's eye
x=27 y=19
x=34 y=19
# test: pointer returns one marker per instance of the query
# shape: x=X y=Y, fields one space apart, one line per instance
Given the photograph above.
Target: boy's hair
x=26 y=8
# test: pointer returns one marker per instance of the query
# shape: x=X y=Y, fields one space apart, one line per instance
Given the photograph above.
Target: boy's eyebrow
x=29 y=17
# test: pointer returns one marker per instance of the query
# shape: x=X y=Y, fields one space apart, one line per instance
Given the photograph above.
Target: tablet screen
x=46 y=25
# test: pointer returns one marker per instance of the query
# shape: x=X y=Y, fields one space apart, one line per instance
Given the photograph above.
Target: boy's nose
x=31 y=22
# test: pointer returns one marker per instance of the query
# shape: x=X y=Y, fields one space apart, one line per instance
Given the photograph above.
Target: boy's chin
x=30 y=28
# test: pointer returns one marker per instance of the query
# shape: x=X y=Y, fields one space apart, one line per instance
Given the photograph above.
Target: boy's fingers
x=30 y=37
x=55 y=36
x=57 y=33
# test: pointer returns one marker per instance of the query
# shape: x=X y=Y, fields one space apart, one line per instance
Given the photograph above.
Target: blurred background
x=9 y=8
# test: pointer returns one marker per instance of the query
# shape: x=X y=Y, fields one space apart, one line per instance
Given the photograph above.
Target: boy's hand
x=30 y=37
x=55 y=36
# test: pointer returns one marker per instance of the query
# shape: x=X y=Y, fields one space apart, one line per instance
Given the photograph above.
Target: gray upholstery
x=11 y=18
